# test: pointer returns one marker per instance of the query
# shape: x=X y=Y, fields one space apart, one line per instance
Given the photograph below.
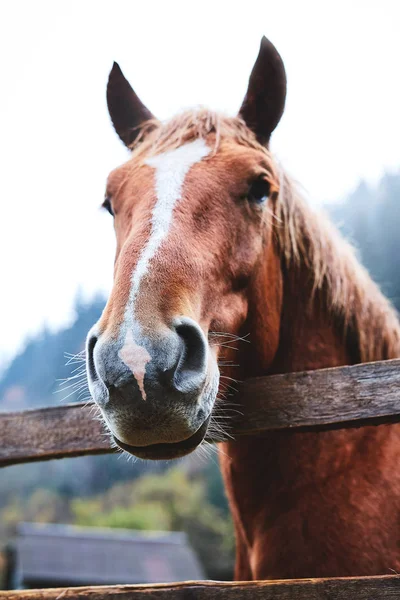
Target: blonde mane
x=303 y=235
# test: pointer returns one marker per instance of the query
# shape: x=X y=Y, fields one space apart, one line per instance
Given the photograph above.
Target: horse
x=215 y=245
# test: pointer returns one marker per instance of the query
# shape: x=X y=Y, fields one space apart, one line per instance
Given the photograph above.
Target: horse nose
x=176 y=362
x=190 y=369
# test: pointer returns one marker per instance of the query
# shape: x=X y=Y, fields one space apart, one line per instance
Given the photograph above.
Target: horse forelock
x=156 y=137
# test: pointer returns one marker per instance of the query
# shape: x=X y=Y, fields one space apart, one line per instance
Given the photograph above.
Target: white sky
x=57 y=145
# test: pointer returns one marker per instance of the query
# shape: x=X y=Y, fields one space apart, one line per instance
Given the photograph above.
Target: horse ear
x=264 y=102
x=126 y=110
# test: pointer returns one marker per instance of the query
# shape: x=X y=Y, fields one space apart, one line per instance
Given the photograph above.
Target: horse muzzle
x=155 y=391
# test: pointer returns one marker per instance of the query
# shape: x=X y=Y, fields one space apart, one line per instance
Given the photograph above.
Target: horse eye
x=259 y=191
x=107 y=205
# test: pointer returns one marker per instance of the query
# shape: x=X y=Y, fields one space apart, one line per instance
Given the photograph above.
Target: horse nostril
x=189 y=373
x=90 y=359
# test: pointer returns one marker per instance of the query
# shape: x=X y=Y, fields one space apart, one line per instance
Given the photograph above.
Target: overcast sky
x=57 y=145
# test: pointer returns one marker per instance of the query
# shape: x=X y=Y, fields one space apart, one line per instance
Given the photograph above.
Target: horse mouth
x=167 y=451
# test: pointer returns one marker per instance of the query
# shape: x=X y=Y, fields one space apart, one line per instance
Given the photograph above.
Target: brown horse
x=214 y=243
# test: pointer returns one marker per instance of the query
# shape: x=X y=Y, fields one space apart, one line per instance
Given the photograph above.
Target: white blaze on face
x=171 y=169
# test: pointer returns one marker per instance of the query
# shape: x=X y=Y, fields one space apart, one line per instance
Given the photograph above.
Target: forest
x=114 y=492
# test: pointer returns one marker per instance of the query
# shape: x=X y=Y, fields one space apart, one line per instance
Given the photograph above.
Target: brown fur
x=303 y=504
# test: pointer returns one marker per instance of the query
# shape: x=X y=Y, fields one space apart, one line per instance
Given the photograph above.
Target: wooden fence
x=329 y=398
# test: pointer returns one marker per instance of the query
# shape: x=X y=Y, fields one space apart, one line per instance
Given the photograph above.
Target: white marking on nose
x=136 y=358
x=171 y=169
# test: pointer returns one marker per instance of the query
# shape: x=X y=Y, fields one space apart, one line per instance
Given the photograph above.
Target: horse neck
x=311 y=335
x=290 y=326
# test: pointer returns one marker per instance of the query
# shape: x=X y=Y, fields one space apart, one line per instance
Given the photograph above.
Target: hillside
x=32 y=379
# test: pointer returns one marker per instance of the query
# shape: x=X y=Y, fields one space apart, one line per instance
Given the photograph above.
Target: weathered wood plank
x=320 y=398
x=59 y=432
x=352 y=588
x=342 y=396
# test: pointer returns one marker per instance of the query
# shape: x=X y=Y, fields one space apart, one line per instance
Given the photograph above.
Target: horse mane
x=304 y=236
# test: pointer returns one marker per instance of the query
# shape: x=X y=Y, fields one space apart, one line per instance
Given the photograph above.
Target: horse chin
x=167 y=451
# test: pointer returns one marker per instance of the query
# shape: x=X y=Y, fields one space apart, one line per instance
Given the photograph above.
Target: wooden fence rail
x=328 y=398
x=349 y=588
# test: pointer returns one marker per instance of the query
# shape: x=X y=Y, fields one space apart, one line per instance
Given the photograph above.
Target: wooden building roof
x=89 y=556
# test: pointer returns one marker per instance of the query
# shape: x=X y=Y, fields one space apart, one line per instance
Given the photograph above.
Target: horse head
x=192 y=212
